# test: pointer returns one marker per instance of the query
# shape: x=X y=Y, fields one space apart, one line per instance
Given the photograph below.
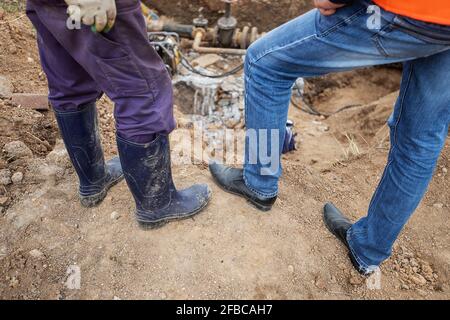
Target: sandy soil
x=264 y=14
x=231 y=250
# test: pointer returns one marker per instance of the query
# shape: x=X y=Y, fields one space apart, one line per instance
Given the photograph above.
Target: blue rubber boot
x=79 y=130
x=147 y=170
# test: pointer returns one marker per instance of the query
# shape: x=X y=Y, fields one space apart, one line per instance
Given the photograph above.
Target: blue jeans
x=314 y=45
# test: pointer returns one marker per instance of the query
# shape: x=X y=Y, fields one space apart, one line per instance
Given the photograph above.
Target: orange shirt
x=435 y=11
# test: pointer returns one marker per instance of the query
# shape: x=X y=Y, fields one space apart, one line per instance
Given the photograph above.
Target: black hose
x=313 y=111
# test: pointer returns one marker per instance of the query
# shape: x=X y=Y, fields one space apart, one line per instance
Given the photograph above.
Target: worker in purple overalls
x=103 y=48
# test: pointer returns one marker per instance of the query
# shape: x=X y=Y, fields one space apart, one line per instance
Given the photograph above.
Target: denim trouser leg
x=314 y=45
x=311 y=45
x=419 y=127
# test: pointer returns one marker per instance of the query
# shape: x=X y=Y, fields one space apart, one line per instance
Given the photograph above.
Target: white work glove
x=100 y=14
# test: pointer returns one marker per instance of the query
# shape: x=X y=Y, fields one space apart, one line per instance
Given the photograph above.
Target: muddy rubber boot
x=79 y=130
x=338 y=225
x=232 y=180
x=147 y=170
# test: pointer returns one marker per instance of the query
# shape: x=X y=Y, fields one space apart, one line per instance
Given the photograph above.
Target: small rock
x=30 y=60
x=426 y=269
x=13 y=49
x=116 y=298
x=438 y=205
x=59 y=156
x=404 y=287
x=163 y=296
x=413 y=262
x=3 y=201
x=185 y=123
x=444 y=170
x=16 y=150
x=17 y=177
x=323 y=128
x=441 y=287
x=421 y=292
x=115 y=215
x=3 y=251
x=31 y=100
x=291 y=268
x=6 y=88
x=418 y=279
x=224 y=102
x=13 y=282
x=35 y=253
x=320 y=283
x=355 y=281
x=333 y=280
x=5 y=177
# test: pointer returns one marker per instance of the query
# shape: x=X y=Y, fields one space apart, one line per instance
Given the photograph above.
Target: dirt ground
x=264 y=14
x=231 y=250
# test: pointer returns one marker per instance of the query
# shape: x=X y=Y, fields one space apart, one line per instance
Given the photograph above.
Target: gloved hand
x=100 y=14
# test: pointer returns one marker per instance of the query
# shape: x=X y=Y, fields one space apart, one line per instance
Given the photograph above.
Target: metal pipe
x=196 y=46
x=183 y=30
x=227 y=9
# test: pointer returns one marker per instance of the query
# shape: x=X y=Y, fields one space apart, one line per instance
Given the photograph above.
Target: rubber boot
x=79 y=130
x=147 y=170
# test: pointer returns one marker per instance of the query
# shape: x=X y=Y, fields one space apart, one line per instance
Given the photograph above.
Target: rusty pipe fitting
x=198 y=38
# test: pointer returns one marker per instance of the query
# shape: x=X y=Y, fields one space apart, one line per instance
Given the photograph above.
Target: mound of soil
x=34 y=130
x=19 y=59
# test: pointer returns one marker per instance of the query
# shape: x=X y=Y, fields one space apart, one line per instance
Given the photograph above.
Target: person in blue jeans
x=341 y=36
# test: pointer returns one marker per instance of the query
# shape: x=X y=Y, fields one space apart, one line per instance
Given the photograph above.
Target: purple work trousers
x=82 y=65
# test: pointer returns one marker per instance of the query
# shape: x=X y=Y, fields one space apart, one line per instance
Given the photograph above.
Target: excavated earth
x=264 y=14
x=230 y=250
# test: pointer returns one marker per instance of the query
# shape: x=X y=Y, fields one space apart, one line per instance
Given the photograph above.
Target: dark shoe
x=232 y=181
x=338 y=225
x=149 y=176
x=79 y=130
